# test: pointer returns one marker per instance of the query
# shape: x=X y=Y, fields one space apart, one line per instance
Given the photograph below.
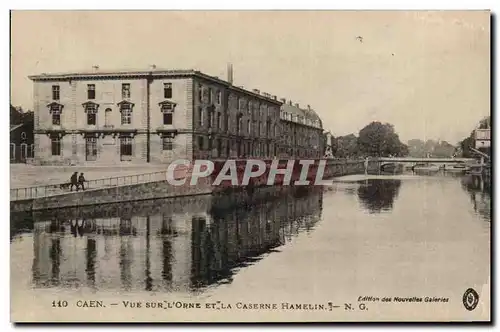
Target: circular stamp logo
x=470 y=299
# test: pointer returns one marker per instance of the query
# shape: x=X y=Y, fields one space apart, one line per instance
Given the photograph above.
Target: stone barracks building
x=153 y=116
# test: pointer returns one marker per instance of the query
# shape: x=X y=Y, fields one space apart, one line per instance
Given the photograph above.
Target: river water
x=400 y=236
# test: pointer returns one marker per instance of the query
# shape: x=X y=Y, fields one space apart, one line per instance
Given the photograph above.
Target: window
x=200 y=116
x=56 y=146
x=219 y=97
x=200 y=143
x=91 y=110
x=107 y=117
x=90 y=91
x=210 y=119
x=91 y=148
x=91 y=118
x=23 y=135
x=167 y=118
x=55 y=92
x=126 y=90
x=168 y=144
x=219 y=147
x=167 y=90
x=167 y=108
x=209 y=95
x=249 y=127
x=239 y=124
x=125 y=148
x=219 y=121
x=238 y=103
x=126 y=114
x=200 y=93
x=228 y=122
x=56 y=117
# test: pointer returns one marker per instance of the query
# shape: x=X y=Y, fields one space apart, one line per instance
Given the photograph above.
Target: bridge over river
x=424 y=160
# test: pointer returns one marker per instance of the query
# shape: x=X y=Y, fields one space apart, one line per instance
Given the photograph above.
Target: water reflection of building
x=378 y=195
x=479 y=191
x=163 y=246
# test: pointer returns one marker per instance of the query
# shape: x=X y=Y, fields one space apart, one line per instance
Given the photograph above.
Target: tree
x=443 y=150
x=380 y=140
x=345 y=146
x=379 y=195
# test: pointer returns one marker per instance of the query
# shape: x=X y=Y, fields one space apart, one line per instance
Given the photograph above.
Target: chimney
x=95 y=68
x=283 y=100
x=309 y=107
x=297 y=105
x=290 y=103
x=152 y=67
x=275 y=98
x=230 y=73
x=257 y=91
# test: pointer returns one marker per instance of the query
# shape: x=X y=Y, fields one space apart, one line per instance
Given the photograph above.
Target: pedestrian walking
x=81 y=180
x=74 y=181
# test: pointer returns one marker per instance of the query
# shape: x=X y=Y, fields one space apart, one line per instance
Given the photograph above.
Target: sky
x=427 y=73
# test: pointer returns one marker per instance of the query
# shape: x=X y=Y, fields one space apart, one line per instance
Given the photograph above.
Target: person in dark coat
x=81 y=180
x=74 y=181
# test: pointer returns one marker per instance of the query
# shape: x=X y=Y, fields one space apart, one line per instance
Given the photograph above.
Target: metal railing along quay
x=61 y=188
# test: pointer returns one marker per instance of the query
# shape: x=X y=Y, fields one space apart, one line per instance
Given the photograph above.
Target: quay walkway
x=142 y=187
x=18 y=194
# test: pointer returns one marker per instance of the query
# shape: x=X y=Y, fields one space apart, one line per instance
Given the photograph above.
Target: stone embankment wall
x=163 y=189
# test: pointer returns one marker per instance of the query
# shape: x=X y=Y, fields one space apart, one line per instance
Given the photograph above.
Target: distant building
x=21 y=135
x=482 y=138
x=301 y=132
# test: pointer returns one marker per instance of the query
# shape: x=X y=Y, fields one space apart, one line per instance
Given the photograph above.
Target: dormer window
x=126 y=112
x=55 y=109
x=167 y=108
x=91 y=110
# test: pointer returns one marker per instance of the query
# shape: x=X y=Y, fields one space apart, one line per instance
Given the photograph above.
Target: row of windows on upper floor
x=215 y=97
x=167 y=109
x=126 y=93
x=55 y=109
x=167 y=93
x=299 y=119
x=223 y=122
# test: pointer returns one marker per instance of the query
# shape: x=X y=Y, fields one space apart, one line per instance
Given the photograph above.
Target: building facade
x=158 y=116
x=301 y=132
x=21 y=135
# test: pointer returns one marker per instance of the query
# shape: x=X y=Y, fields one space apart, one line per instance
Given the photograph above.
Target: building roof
x=156 y=73
x=306 y=113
